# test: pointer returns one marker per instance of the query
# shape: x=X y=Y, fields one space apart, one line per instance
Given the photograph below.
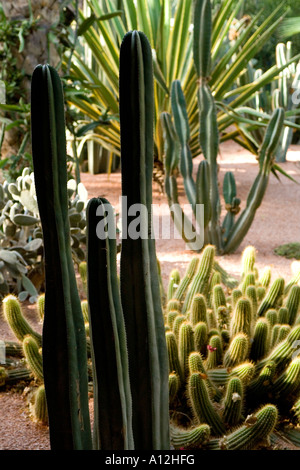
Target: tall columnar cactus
x=228 y=234
x=148 y=359
x=112 y=393
x=64 y=339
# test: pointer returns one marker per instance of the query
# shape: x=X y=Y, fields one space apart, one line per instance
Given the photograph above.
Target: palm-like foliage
x=168 y=26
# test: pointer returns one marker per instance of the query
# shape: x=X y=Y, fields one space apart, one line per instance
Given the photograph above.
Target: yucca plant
x=169 y=26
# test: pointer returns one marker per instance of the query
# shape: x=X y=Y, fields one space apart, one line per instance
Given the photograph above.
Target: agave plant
x=169 y=26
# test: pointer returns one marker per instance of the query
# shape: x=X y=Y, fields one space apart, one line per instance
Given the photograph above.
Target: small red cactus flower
x=210 y=348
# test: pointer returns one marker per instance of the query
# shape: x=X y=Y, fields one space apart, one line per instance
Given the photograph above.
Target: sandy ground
x=277 y=222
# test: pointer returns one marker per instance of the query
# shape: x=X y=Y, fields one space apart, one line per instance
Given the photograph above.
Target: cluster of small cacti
x=28 y=349
x=233 y=354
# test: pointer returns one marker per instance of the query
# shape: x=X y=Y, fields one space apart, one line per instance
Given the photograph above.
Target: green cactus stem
x=112 y=391
x=241 y=321
x=202 y=406
x=200 y=336
x=218 y=297
x=293 y=304
x=272 y=317
x=192 y=438
x=260 y=343
x=237 y=351
x=265 y=278
x=33 y=357
x=244 y=371
x=251 y=294
x=272 y=297
x=260 y=184
x=17 y=322
x=40 y=411
x=139 y=282
x=248 y=260
x=173 y=304
x=82 y=268
x=233 y=402
x=198 y=312
x=247 y=436
x=196 y=364
x=200 y=281
x=296 y=410
x=259 y=387
x=283 y=352
x=187 y=279
x=13 y=376
x=283 y=315
x=186 y=345
x=261 y=292
x=171 y=316
x=174 y=385
x=85 y=310
x=64 y=338
x=236 y=295
x=283 y=332
x=215 y=352
x=288 y=383
x=249 y=280
x=174 y=364
x=41 y=305
x=174 y=281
